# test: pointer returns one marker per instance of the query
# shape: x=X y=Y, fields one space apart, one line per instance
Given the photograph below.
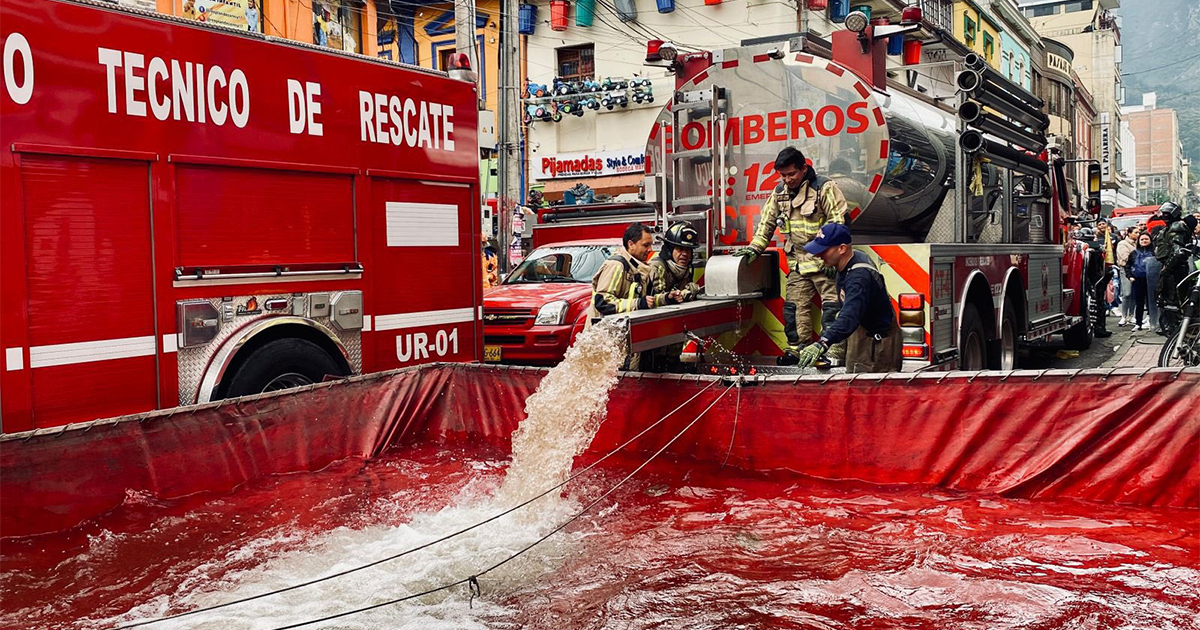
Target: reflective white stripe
x=366 y=323
x=425 y=318
x=14 y=359
x=88 y=351
x=170 y=343
x=421 y=224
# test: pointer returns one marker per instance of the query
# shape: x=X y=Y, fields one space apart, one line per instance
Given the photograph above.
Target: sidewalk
x=1139 y=351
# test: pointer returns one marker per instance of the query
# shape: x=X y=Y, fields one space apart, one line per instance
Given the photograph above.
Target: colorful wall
x=978 y=30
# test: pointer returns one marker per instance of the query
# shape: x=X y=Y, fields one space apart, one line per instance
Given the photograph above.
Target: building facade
x=979 y=30
x=1091 y=30
x=1161 y=166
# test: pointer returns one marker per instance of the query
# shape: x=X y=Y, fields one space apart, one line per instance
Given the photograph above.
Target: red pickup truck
x=535 y=314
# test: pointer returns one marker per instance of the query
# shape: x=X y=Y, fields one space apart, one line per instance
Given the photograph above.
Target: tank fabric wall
x=1119 y=437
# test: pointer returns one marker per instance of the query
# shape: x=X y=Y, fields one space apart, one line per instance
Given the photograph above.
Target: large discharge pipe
x=972 y=141
x=1008 y=103
x=971 y=113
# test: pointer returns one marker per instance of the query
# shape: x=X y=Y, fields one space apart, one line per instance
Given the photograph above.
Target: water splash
x=563 y=415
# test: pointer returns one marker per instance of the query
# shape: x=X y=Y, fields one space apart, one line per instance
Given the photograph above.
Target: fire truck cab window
x=561 y=264
x=337 y=24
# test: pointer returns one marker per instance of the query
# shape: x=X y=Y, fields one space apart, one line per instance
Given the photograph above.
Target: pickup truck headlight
x=552 y=314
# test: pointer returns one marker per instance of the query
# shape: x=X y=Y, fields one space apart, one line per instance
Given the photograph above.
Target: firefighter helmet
x=682 y=235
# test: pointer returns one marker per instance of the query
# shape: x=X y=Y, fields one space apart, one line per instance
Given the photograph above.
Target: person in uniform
x=671 y=270
x=621 y=285
x=799 y=207
x=866 y=319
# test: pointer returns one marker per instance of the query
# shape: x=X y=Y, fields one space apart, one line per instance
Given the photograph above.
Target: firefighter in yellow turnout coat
x=798 y=208
x=623 y=283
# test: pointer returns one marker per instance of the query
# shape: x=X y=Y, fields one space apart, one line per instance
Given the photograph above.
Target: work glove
x=811 y=354
x=830 y=272
x=749 y=253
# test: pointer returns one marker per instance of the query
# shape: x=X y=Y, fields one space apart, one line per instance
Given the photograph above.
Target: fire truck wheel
x=1005 y=357
x=973 y=344
x=1079 y=336
x=281 y=364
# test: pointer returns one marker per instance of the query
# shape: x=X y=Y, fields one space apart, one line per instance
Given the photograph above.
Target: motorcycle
x=1182 y=348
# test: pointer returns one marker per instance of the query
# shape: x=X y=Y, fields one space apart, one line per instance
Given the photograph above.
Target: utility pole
x=510 y=128
x=464 y=36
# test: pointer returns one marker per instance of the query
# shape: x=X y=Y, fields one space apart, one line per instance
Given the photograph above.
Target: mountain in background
x=1161 y=53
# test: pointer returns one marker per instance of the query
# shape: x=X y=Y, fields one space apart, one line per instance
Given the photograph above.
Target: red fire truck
x=191 y=214
x=966 y=226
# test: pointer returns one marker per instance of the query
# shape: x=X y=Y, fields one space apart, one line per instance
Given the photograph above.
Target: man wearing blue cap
x=866 y=319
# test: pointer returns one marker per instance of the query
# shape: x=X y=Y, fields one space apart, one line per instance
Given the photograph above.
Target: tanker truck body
x=975 y=272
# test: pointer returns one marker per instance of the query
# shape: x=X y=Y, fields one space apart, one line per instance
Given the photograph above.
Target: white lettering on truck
x=416 y=346
x=416 y=124
x=196 y=94
x=303 y=107
x=16 y=44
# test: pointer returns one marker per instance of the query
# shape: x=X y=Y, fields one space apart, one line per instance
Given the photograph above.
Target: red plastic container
x=912 y=52
x=817 y=5
x=558 y=14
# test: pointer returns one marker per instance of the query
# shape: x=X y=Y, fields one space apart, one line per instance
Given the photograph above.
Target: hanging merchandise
x=585 y=12
x=665 y=6
x=526 y=18
x=558 y=14
x=912 y=52
x=535 y=90
x=817 y=5
x=562 y=88
x=626 y=10
x=838 y=10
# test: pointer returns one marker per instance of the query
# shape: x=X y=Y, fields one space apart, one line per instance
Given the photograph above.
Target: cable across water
x=431 y=543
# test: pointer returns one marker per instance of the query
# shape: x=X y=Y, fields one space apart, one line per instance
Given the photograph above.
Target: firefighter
x=866 y=318
x=671 y=270
x=799 y=207
x=620 y=285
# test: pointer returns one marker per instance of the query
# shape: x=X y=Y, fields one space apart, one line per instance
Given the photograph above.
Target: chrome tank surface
x=891 y=154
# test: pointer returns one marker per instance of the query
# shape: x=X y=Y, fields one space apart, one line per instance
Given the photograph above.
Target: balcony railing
x=939 y=13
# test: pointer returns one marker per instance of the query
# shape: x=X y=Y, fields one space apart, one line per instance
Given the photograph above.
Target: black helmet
x=682 y=235
x=1171 y=210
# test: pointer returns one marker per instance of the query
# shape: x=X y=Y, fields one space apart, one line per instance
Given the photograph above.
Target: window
x=337 y=24
x=968 y=30
x=1044 y=10
x=1078 y=5
x=576 y=63
x=444 y=58
x=989 y=46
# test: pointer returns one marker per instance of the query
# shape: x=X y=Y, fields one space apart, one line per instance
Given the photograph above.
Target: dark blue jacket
x=1139 y=260
x=865 y=302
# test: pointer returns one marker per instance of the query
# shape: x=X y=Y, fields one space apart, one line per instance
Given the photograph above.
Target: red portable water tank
x=817 y=5
x=558 y=14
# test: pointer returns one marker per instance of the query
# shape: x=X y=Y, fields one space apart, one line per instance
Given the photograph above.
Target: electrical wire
x=473 y=579
x=426 y=545
x=1173 y=63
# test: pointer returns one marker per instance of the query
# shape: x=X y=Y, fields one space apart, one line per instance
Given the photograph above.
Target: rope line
x=473 y=580
x=431 y=543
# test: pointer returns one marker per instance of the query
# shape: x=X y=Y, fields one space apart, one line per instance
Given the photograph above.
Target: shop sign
x=589 y=164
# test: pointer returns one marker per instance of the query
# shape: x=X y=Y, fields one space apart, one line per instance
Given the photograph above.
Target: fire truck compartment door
x=90 y=297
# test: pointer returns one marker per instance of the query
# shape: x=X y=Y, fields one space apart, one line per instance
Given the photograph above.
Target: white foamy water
x=562 y=417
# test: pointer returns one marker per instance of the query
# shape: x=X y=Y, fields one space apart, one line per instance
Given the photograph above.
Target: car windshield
x=560 y=264
x=1126 y=222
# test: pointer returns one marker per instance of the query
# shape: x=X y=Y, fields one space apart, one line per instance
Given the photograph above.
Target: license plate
x=491 y=354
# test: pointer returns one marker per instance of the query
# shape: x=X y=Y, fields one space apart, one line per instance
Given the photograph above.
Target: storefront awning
x=628 y=182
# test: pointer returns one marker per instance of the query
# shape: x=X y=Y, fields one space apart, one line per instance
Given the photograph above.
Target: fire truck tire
x=281 y=364
x=1079 y=336
x=972 y=346
x=1005 y=355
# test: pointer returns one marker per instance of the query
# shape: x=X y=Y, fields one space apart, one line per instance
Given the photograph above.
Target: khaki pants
x=866 y=355
x=801 y=289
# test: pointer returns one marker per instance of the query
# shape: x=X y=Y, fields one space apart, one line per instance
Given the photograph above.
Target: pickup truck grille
x=508 y=317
